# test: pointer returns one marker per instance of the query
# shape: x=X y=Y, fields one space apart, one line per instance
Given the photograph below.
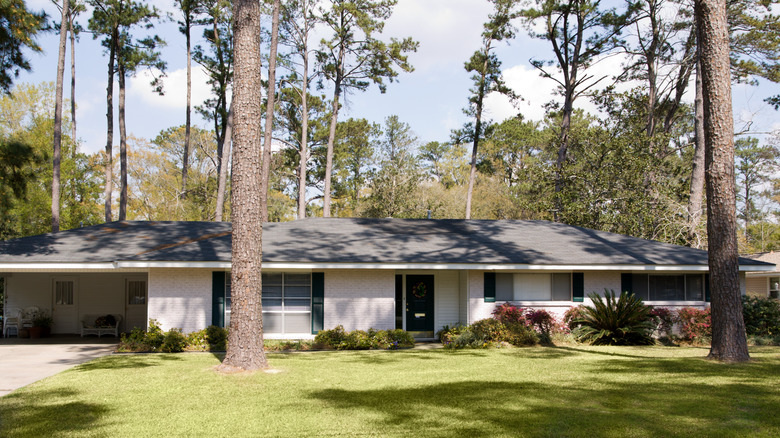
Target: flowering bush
x=663 y=319
x=695 y=324
x=541 y=320
x=571 y=316
x=507 y=313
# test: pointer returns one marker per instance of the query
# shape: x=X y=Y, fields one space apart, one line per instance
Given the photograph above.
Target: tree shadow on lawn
x=53 y=412
x=486 y=408
x=134 y=360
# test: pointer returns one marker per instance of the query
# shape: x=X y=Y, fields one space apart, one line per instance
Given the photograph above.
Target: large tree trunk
x=477 y=134
x=222 y=157
x=304 y=151
x=57 y=155
x=72 y=84
x=697 y=167
x=728 y=328
x=109 y=171
x=186 y=155
x=245 y=341
x=122 y=145
x=269 y=110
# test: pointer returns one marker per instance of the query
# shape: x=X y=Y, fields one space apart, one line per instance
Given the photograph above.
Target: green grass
x=564 y=391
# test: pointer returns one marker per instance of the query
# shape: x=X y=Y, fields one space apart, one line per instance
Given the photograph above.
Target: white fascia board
x=418 y=266
x=7 y=267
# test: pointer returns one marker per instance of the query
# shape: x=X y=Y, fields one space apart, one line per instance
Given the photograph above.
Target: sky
x=430 y=99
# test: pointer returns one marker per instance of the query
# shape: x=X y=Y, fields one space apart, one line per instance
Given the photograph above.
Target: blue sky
x=430 y=99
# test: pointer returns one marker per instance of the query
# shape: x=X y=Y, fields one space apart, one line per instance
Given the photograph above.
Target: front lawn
x=564 y=391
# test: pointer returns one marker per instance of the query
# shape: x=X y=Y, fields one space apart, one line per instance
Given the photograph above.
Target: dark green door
x=419 y=303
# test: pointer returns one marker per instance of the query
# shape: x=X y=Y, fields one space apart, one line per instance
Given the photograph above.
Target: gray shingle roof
x=342 y=240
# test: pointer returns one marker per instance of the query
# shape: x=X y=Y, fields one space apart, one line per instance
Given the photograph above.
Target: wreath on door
x=419 y=290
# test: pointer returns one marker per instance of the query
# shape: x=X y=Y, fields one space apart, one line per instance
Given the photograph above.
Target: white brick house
x=418 y=275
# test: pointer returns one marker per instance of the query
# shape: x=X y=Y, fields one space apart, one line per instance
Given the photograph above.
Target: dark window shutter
x=578 y=287
x=490 y=287
x=707 y=297
x=626 y=282
x=317 y=302
x=218 y=298
x=399 y=301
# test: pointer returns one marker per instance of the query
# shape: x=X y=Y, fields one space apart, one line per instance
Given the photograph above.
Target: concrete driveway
x=24 y=361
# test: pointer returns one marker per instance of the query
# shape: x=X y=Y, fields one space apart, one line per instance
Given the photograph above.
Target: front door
x=64 y=305
x=136 y=297
x=419 y=304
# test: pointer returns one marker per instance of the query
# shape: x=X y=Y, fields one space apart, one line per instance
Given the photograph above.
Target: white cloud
x=175 y=87
x=449 y=30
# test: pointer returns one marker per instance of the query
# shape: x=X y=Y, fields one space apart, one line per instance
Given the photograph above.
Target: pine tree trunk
x=122 y=145
x=72 y=85
x=223 y=155
x=728 y=328
x=334 y=119
x=57 y=155
x=109 y=171
x=186 y=155
x=304 y=151
x=245 y=341
x=269 y=110
x=697 y=167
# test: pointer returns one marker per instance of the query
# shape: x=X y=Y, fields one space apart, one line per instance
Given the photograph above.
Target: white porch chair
x=11 y=323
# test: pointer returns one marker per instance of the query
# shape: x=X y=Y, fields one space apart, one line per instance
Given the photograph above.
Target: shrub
x=400 y=339
x=216 y=337
x=624 y=320
x=519 y=334
x=155 y=335
x=330 y=338
x=571 y=316
x=762 y=316
x=355 y=340
x=542 y=321
x=447 y=333
x=695 y=324
x=339 y=339
x=173 y=341
x=196 y=341
x=287 y=345
x=467 y=339
x=135 y=342
x=508 y=313
x=663 y=320
x=489 y=330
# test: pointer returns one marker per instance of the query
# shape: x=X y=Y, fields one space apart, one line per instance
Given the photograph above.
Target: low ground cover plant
x=339 y=339
x=154 y=339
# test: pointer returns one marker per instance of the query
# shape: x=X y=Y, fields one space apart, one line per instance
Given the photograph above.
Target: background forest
x=632 y=166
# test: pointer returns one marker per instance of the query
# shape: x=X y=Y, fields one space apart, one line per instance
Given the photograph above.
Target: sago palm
x=624 y=320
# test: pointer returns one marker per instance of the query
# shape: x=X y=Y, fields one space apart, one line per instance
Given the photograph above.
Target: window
x=533 y=287
x=227 y=299
x=287 y=303
x=136 y=292
x=774 y=287
x=63 y=292
x=679 y=287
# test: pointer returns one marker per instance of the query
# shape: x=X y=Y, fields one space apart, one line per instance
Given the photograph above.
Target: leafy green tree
x=352 y=58
x=356 y=141
x=755 y=165
x=26 y=168
x=581 y=32
x=394 y=185
x=18 y=29
x=155 y=176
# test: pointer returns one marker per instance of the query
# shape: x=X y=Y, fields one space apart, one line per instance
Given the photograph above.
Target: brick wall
x=360 y=299
x=180 y=297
